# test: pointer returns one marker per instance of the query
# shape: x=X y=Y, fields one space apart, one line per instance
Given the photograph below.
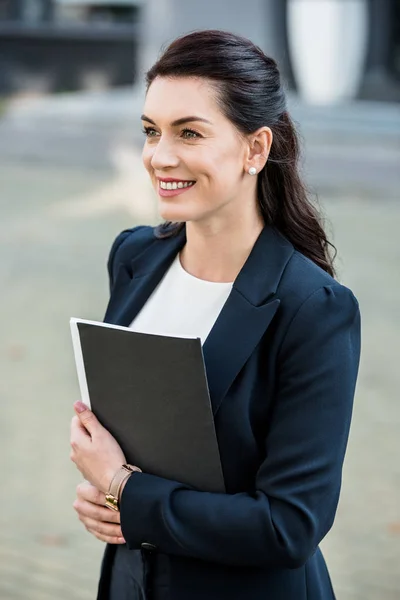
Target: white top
x=182 y=305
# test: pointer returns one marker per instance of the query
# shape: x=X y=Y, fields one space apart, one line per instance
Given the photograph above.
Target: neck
x=216 y=252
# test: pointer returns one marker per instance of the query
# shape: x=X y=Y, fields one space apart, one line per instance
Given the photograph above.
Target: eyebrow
x=182 y=121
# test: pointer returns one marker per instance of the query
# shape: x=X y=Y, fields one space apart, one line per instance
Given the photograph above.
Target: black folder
x=150 y=392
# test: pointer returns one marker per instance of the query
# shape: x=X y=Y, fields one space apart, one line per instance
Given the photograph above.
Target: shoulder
x=319 y=318
x=130 y=241
x=305 y=287
x=128 y=244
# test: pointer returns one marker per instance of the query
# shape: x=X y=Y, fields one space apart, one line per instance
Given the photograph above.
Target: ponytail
x=284 y=201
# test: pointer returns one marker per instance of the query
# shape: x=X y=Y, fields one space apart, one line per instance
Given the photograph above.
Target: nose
x=163 y=155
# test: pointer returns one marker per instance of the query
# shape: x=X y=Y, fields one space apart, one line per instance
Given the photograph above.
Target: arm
x=298 y=484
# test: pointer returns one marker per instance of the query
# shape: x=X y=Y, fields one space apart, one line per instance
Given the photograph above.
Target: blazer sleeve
x=298 y=484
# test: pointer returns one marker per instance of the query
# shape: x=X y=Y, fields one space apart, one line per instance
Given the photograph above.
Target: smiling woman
x=242 y=262
x=240 y=114
x=204 y=148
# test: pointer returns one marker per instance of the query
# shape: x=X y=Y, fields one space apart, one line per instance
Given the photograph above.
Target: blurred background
x=71 y=92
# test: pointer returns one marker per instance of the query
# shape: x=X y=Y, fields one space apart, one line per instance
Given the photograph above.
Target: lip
x=171 y=180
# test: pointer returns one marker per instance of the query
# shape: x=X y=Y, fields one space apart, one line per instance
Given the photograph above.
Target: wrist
x=125 y=481
x=117 y=484
x=121 y=489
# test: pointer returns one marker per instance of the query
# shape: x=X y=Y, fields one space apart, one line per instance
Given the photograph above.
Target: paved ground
x=56 y=225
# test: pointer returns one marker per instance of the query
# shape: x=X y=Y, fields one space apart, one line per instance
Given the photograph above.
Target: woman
x=242 y=262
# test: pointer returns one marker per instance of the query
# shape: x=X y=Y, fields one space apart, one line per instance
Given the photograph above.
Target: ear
x=259 y=146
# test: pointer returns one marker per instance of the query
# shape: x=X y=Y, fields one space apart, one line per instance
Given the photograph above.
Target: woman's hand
x=95 y=451
x=102 y=522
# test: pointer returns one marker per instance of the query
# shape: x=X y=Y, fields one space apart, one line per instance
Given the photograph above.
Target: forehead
x=171 y=98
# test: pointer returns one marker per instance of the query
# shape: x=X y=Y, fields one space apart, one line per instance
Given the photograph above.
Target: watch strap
x=112 y=496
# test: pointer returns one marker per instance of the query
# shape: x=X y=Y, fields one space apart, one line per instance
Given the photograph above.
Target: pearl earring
x=252 y=171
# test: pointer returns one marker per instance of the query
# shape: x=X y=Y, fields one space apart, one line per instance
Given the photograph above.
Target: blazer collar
x=242 y=321
x=258 y=278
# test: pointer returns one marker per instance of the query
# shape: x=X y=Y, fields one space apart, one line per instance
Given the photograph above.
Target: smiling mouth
x=175 y=185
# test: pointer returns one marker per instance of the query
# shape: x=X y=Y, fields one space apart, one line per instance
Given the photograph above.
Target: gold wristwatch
x=112 y=496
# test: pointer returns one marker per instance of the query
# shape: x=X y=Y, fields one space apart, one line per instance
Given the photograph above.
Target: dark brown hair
x=250 y=94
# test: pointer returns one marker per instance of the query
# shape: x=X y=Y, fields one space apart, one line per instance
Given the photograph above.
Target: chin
x=175 y=214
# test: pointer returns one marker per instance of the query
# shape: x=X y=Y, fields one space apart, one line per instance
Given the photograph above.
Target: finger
x=78 y=432
x=86 y=417
x=107 y=539
x=77 y=425
x=89 y=492
x=106 y=529
x=94 y=511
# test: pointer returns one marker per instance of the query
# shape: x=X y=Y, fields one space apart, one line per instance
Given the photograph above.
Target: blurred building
x=60 y=45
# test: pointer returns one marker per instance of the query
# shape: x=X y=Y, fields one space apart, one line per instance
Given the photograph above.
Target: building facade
x=60 y=45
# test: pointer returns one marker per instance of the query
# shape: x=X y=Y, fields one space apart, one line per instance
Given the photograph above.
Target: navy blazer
x=281 y=362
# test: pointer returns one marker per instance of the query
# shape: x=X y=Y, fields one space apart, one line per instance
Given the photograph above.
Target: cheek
x=224 y=164
x=224 y=175
x=209 y=167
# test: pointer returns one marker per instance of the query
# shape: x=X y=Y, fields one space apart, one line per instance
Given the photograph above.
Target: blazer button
x=148 y=547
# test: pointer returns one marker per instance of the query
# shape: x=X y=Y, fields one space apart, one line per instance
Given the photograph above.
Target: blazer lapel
x=246 y=314
x=134 y=285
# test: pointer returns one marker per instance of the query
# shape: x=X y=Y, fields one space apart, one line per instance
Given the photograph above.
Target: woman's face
x=194 y=150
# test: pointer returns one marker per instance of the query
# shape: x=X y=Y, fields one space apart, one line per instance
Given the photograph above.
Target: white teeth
x=174 y=185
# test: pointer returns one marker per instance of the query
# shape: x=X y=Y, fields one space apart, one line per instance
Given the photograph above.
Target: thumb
x=86 y=417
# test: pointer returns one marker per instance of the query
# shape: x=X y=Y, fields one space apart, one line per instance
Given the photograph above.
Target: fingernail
x=122 y=540
x=80 y=407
